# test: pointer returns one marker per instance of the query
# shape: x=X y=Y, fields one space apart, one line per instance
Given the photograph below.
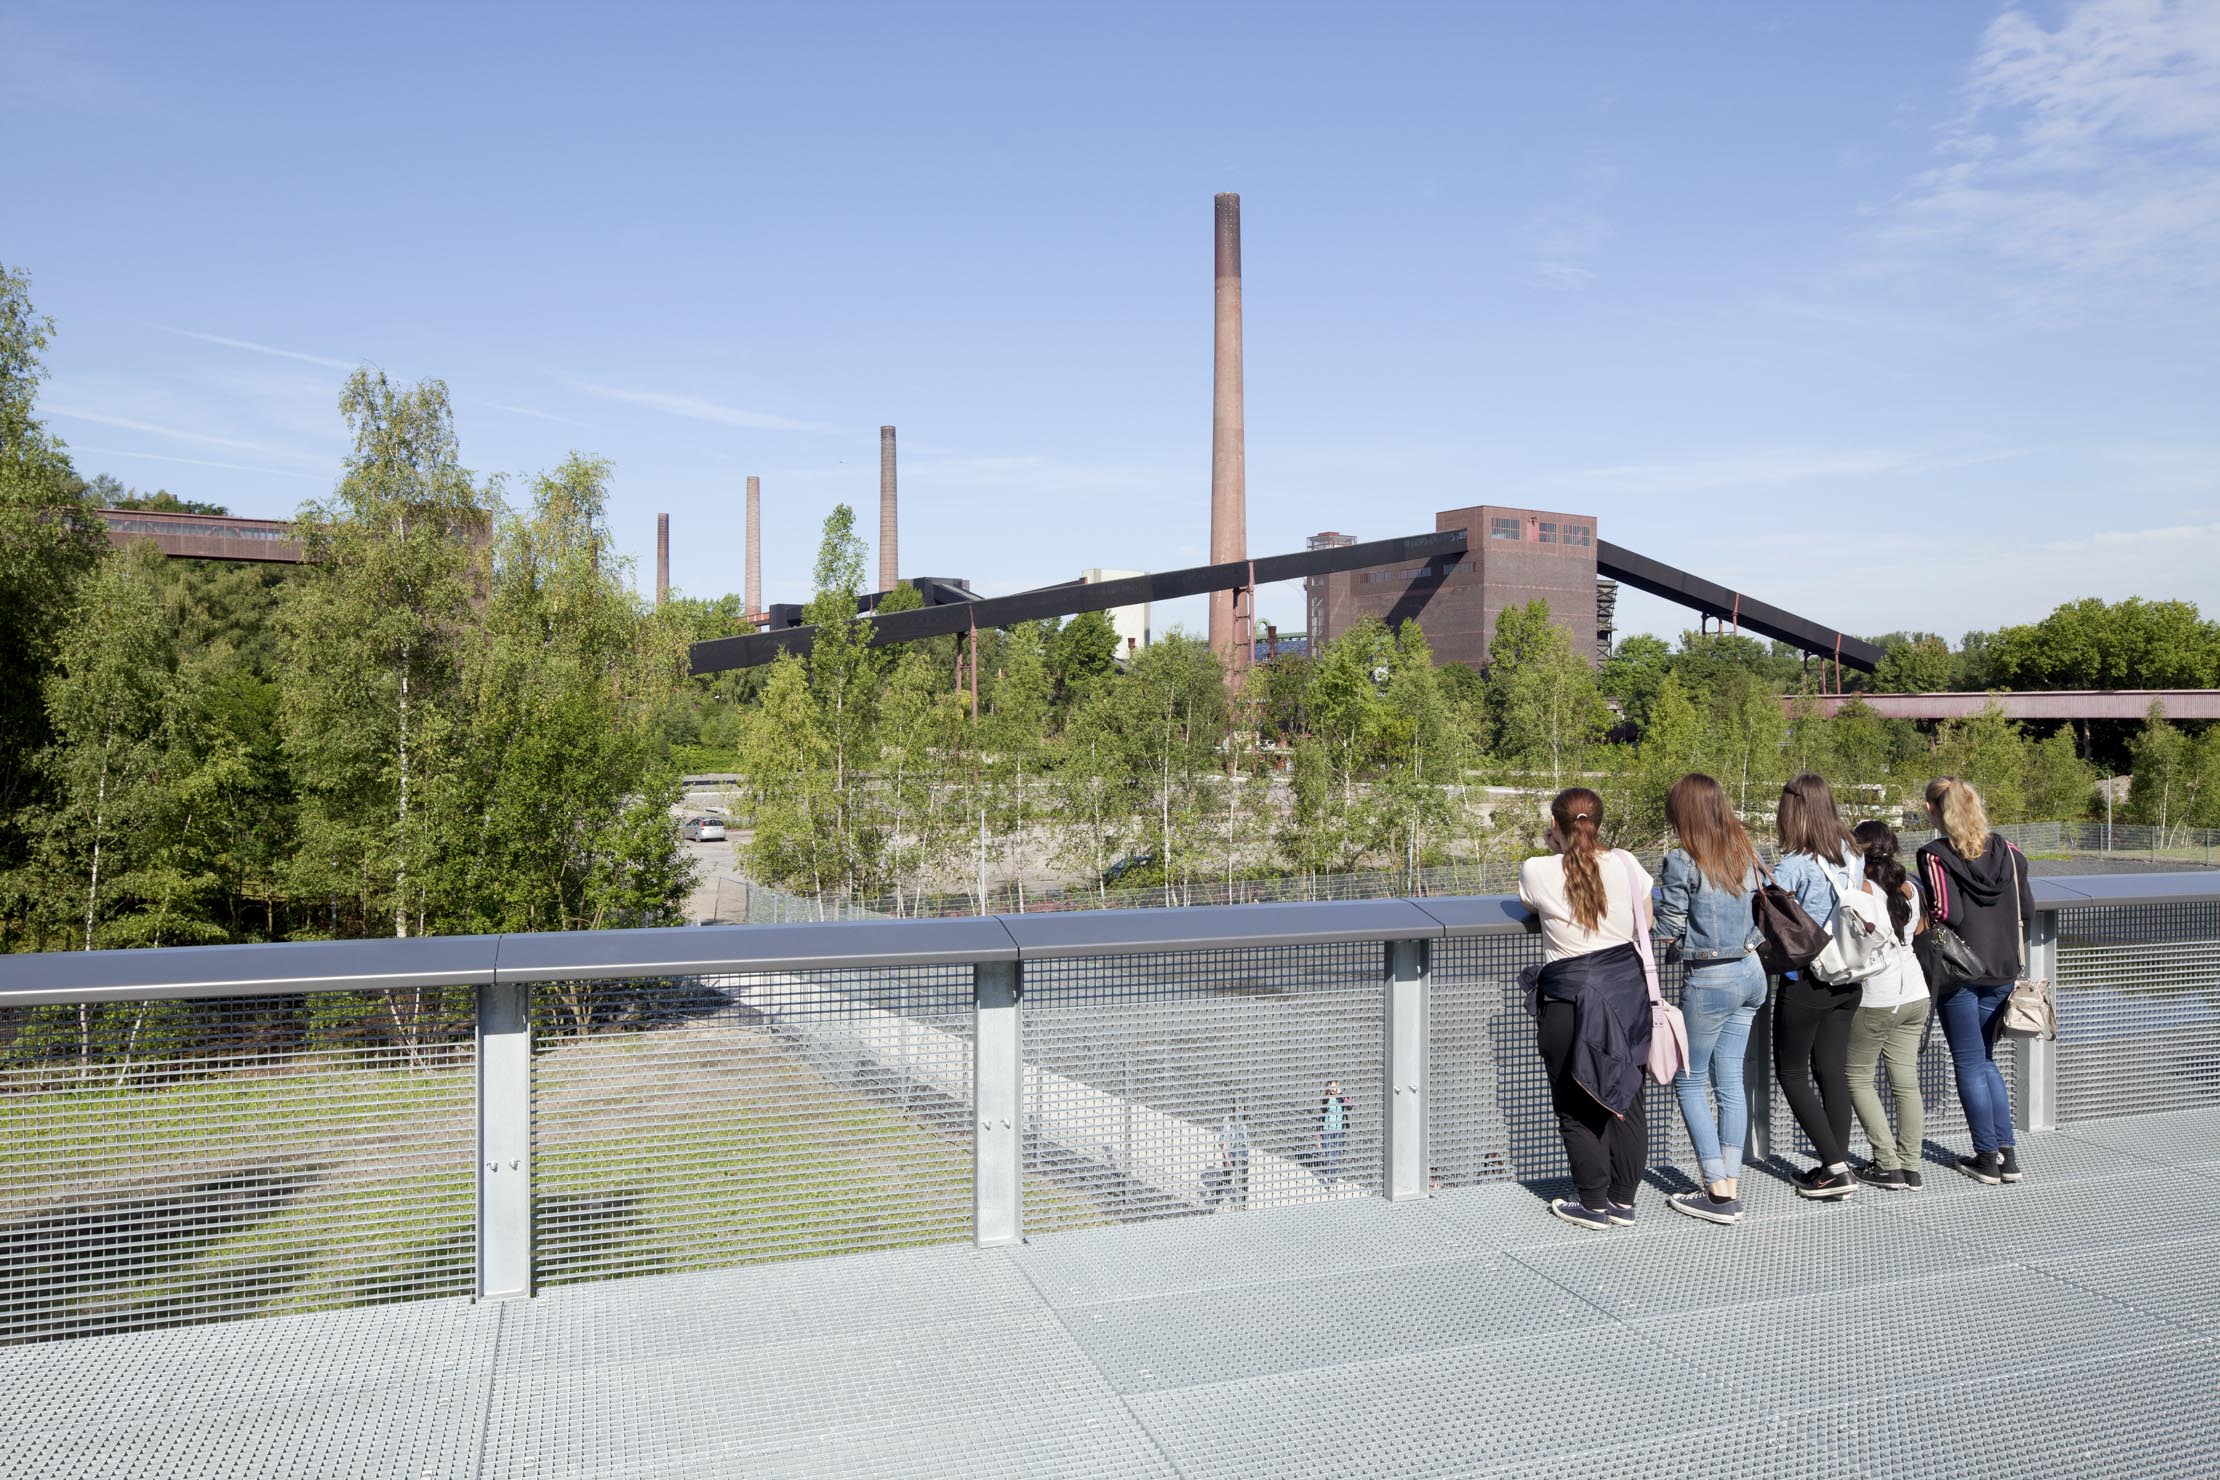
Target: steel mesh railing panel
x=1134 y=1066
x=712 y=1121
x=178 y=1162
x=2138 y=1009
x=1489 y=1117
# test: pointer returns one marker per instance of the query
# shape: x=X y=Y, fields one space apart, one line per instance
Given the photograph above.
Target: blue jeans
x=1720 y=1001
x=1972 y=1015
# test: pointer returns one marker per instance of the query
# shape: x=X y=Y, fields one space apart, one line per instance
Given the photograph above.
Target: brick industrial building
x=1511 y=557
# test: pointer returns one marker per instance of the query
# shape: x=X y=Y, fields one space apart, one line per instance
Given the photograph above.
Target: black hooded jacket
x=1970 y=896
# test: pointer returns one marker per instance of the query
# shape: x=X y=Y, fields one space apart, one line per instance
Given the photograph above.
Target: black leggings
x=1811 y=1040
x=1608 y=1153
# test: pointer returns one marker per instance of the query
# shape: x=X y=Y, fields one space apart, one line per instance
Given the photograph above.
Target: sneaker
x=1578 y=1216
x=1911 y=1182
x=1986 y=1167
x=1817 y=1184
x=1873 y=1174
x=1699 y=1204
x=2008 y=1165
x=1622 y=1214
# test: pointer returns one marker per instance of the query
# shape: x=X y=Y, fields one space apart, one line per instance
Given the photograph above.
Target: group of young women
x=1600 y=911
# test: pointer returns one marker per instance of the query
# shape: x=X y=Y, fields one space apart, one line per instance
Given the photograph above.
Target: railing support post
x=2035 y=1060
x=997 y=1077
x=504 y=1140
x=1408 y=968
x=1757 y=1078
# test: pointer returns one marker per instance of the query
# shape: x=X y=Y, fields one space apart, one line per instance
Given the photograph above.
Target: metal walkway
x=2065 y=1326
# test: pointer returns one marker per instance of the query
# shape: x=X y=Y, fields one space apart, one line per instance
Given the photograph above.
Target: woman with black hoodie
x=1977 y=885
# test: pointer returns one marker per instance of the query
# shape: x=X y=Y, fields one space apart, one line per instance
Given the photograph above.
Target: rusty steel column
x=662 y=558
x=1229 y=517
x=889 y=563
x=752 y=589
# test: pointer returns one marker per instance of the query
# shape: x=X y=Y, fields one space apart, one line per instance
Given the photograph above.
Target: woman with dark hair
x=1977 y=885
x=1891 y=1016
x=1811 y=1018
x=1703 y=907
x=1592 y=1006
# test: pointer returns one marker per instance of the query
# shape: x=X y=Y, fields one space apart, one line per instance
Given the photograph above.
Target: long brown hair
x=1884 y=865
x=1809 y=822
x=1578 y=813
x=1964 y=820
x=1700 y=813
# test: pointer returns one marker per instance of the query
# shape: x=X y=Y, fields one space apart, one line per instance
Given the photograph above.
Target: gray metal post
x=504 y=1140
x=1407 y=972
x=1757 y=1079
x=998 y=1080
x=2035 y=1060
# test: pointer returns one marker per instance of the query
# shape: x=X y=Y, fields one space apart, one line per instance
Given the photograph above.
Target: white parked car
x=703 y=830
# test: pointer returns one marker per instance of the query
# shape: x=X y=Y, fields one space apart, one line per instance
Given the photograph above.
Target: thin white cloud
x=206 y=439
x=538 y=415
x=259 y=349
x=1776 y=466
x=2084 y=165
x=2164 y=534
x=694 y=408
x=195 y=462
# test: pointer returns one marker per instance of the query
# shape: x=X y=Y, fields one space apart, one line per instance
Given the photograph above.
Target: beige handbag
x=2032 y=1011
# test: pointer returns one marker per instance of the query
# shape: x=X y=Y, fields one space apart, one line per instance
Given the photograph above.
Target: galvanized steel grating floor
x=2068 y=1326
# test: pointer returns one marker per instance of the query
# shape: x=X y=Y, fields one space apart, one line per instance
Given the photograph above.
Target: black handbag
x=1790 y=939
x=1945 y=958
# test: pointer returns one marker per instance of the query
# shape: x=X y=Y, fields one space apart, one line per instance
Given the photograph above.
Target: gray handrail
x=478 y=960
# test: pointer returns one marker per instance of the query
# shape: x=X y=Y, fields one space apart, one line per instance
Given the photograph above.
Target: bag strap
x=2019 y=922
x=1639 y=901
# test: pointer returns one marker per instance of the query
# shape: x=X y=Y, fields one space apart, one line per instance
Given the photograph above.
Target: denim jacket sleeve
x=1676 y=889
x=1800 y=875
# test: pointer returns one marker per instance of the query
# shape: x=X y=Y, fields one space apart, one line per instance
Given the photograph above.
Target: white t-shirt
x=1900 y=979
x=1542 y=890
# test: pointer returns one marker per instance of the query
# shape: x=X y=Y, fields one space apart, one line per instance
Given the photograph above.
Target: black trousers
x=1608 y=1153
x=1811 y=1053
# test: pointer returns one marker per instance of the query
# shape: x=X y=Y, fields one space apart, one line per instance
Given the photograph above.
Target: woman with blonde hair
x=1703 y=909
x=1592 y=1006
x=1977 y=886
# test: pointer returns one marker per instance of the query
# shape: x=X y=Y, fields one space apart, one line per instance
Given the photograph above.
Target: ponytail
x=1884 y=865
x=1964 y=820
x=1578 y=813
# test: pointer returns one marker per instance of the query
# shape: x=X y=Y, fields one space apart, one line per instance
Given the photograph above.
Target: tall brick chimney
x=662 y=558
x=1229 y=516
x=752 y=589
x=889 y=564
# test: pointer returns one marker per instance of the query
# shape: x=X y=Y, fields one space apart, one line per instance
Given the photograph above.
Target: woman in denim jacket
x=1703 y=907
x=1820 y=861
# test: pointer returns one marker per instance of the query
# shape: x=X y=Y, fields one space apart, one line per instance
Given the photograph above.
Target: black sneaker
x=1873 y=1174
x=1621 y=1213
x=1578 y=1216
x=1700 y=1204
x=1987 y=1168
x=1911 y=1182
x=1818 y=1184
x=2008 y=1165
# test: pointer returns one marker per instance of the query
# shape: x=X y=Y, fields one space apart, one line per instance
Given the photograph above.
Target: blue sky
x=1898 y=315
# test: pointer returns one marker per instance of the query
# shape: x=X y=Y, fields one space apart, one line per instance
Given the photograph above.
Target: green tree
x=1638 y=666
x=49 y=540
x=373 y=625
x=1988 y=750
x=1421 y=752
x=1915 y=665
x=844 y=680
x=2163 y=793
x=554 y=807
x=1749 y=730
x=2060 y=784
x=1542 y=693
x=1082 y=655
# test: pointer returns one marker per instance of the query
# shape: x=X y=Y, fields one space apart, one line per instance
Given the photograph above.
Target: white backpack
x=1859 y=938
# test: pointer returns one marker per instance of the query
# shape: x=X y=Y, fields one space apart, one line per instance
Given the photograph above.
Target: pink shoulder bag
x=1668 y=1029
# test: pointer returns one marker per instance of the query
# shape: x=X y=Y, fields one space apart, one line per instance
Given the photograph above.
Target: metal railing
x=202 y=1134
